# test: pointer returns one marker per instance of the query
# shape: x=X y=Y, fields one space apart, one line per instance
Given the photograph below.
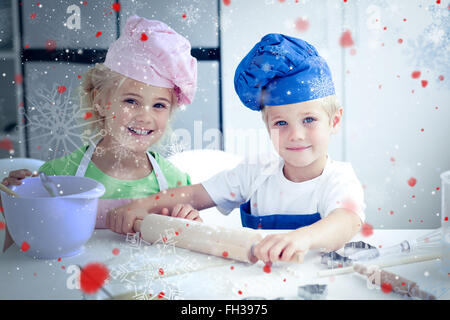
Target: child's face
x=137 y=115
x=300 y=132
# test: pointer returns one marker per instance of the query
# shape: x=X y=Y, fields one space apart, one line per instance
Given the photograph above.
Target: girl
x=147 y=73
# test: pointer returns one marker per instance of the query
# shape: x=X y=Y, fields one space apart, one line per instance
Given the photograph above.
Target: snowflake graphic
x=190 y=14
x=431 y=49
x=55 y=124
x=321 y=86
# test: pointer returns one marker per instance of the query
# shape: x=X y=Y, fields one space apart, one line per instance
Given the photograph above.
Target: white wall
x=384 y=107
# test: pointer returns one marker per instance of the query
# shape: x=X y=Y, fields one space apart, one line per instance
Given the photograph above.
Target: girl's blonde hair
x=105 y=81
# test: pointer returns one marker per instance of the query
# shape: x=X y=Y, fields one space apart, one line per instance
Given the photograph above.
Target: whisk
x=429 y=240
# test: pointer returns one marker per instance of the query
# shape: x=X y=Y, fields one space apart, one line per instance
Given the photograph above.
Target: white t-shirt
x=270 y=192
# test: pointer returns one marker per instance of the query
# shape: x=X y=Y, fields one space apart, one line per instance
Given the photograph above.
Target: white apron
x=105 y=205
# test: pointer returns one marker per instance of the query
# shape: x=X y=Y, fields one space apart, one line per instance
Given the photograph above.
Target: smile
x=139 y=132
x=298 y=148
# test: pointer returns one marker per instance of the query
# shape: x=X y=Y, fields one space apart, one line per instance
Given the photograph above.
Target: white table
x=189 y=275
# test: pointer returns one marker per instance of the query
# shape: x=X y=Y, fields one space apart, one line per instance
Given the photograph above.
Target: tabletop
x=138 y=270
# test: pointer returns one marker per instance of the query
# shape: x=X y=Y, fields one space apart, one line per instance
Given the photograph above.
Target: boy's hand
x=283 y=247
x=15 y=177
x=185 y=211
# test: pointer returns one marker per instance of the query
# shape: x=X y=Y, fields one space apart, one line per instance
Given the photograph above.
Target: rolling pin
x=218 y=241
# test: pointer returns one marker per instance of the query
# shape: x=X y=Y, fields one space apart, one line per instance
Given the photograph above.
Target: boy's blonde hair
x=330 y=105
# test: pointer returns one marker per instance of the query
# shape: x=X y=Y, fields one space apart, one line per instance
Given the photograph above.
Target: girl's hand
x=15 y=177
x=283 y=247
x=185 y=211
x=121 y=219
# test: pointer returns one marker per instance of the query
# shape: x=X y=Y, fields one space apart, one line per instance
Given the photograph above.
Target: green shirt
x=116 y=188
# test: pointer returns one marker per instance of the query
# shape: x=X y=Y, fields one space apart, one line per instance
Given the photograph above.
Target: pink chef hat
x=151 y=52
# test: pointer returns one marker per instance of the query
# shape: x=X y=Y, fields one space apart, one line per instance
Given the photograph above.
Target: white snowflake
x=190 y=14
x=321 y=86
x=56 y=126
x=431 y=49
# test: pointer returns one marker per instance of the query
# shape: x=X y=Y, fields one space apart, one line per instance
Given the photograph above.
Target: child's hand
x=15 y=177
x=283 y=247
x=121 y=219
x=185 y=211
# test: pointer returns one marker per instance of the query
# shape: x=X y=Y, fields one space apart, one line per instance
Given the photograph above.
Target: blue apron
x=276 y=221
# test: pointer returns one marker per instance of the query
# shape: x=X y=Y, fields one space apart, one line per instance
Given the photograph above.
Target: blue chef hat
x=289 y=70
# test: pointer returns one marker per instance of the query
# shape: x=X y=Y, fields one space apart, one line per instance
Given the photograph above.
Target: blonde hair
x=330 y=105
x=105 y=81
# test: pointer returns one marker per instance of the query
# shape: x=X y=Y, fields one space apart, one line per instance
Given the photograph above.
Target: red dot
x=346 y=39
x=59 y=259
x=366 y=230
x=225 y=254
x=391 y=212
x=226 y=2
x=87 y=115
x=161 y=295
x=2 y=225
x=424 y=83
x=446 y=219
x=98 y=34
x=412 y=181
x=415 y=74
x=441 y=77
x=301 y=24
x=157 y=197
x=386 y=287
x=232 y=267
x=93 y=276
x=116 y=6
x=25 y=246
x=183 y=15
x=266 y=268
x=61 y=89
x=161 y=271
x=144 y=37
x=400 y=41
x=239 y=292
x=115 y=251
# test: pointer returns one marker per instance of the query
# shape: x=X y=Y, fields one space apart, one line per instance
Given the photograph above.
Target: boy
x=320 y=199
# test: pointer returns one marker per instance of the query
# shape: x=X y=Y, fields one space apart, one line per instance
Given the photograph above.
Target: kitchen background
x=389 y=59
